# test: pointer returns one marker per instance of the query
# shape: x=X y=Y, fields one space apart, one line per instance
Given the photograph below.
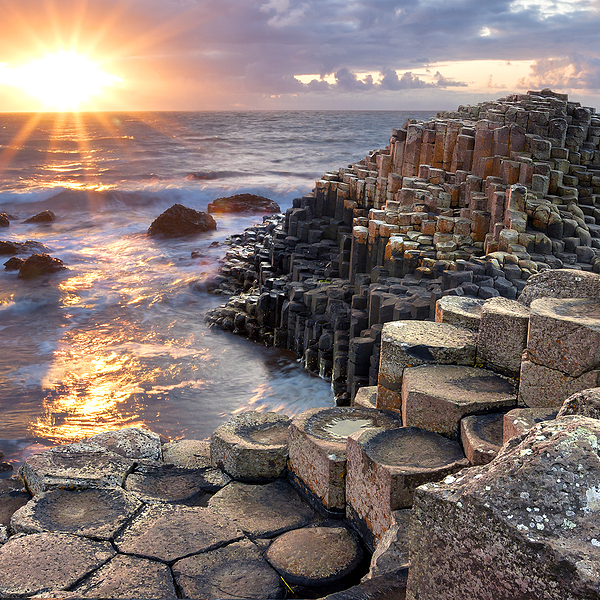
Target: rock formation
x=179 y=220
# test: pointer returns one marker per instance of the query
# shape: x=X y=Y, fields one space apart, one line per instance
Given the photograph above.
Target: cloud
x=442 y=81
x=574 y=72
x=242 y=51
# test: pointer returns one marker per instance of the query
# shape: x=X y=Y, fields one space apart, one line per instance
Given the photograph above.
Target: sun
x=61 y=81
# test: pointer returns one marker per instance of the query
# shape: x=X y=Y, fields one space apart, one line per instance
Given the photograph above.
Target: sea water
x=120 y=339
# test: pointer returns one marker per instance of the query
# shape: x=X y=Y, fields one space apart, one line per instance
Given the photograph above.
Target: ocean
x=119 y=339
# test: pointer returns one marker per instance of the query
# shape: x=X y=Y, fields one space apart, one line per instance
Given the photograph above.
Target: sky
x=300 y=54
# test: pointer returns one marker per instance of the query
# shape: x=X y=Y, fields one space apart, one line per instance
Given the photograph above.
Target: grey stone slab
x=168 y=533
x=130 y=442
x=315 y=556
x=262 y=510
x=236 y=571
x=564 y=334
x=252 y=446
x=407 y=344
x=524 y=526
x=43 y=562
x=75 y=466
x=96 y=513
x=160 y=483
x=13 y=496
x=561 y=283
x=129 y=577
x=187 y=454
x=437 y=397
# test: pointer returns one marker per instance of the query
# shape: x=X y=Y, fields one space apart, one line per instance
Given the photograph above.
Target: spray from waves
x=195 y=194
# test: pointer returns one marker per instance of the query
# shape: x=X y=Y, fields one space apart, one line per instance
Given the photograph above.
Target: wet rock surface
x=129 y=577
x=236 y=571
x=315 y=556
x=179 y=220
x=94 y=513
x=48 y=561
x=46 y=216
x=262 y=511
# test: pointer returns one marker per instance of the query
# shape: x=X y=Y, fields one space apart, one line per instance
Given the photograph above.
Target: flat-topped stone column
x=384 y=469
x=407 y=344
x=481 y=437
x=251 y=446
x=317 y=450
x=437 y=397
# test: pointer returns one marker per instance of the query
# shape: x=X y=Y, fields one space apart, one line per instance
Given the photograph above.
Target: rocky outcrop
x=4 y=220
x=243 y=203
x=40 y=264
x=12 y=248
x=525 y=526
x=179 y=220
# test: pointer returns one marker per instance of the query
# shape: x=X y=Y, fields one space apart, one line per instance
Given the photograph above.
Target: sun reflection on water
x=91 y=391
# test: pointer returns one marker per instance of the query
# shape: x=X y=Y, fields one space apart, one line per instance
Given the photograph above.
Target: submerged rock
x=47 y=216
x=14 y=263
x=179 y=221
x=40 y=264
x=244 y=203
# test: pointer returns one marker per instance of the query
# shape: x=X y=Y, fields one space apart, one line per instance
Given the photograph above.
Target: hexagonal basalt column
x=384 y=469
x=412 y=343
x=318 y=450
x=437 y=397
x=252 y=446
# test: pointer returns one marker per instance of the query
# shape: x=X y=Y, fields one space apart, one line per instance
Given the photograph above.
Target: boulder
x=243 y=203
x=187 y=454
x=4 y=220
x=46 y=216
x=585 y=403
x=180 y=221
x=561 y=283
x=75 y=466
x=130 y=442
x=40 y=264
x=524 y=526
